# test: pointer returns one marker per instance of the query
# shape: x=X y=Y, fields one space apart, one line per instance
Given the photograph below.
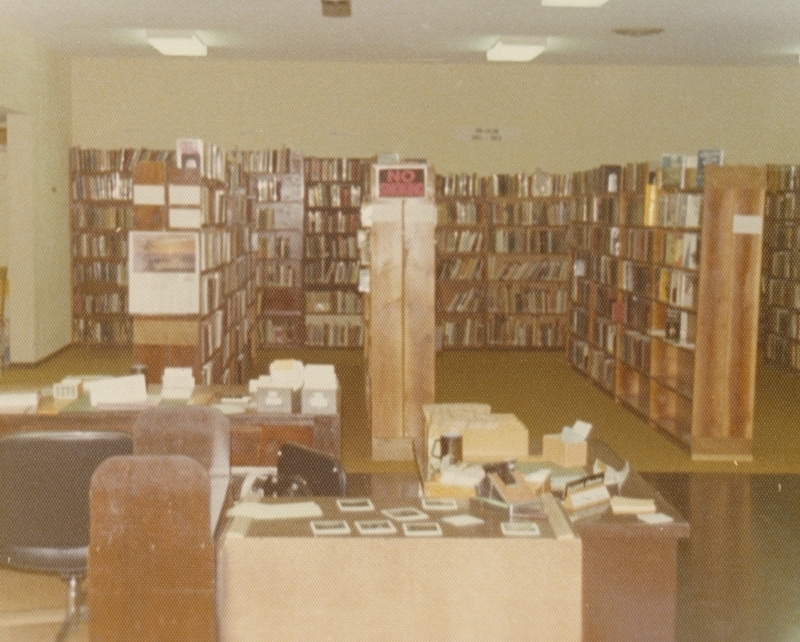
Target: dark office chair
x=44 y=503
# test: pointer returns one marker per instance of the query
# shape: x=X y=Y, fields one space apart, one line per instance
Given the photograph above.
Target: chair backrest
x=44 y=495
x=199 y=432
x=151 y=557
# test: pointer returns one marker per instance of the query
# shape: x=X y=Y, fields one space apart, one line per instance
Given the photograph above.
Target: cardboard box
x=564 y=453
x=277 y=399
x=495 y=437
x=320 y=395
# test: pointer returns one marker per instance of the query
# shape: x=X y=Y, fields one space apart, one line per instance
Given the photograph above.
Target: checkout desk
x=278 y=580
x=614 y=579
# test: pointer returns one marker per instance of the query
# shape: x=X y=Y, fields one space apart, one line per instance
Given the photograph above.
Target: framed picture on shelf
x=163 y=273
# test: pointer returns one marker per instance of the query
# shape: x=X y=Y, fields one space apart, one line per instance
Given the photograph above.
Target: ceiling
x=696 y=32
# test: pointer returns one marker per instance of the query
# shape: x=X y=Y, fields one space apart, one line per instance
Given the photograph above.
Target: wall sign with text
x=401 y=181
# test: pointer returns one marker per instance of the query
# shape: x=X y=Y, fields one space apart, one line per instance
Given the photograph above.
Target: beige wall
x=558 y=118
x=35 y=93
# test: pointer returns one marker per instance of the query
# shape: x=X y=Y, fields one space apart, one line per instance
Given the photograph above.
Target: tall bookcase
x=101 y=213
x=190 y=293
x=333 y=305
x=664 y=312
x=275 y=194
x=503 y=261
x=780 y=295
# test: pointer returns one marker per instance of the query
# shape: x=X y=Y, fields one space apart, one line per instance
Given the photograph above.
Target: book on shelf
x=673 y=171
x=706 y=157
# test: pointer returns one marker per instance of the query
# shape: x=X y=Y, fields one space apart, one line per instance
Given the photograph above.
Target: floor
x=738 y=574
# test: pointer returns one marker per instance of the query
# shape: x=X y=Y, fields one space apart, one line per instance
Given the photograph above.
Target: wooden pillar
x=400 y=348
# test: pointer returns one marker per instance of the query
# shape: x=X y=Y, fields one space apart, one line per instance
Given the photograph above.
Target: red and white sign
x=401 y=181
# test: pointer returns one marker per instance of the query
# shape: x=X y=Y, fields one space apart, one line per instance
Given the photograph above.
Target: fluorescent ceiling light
x=573 y=3
x=177 y=43
x=510 y=49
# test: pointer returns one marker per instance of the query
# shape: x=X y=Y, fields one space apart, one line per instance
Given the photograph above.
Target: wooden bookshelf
x=667 y=329
x=334 y=188
x=190 y=292
x=101 y=213
x=502 y=261
x=275 y=192
x=780 y=295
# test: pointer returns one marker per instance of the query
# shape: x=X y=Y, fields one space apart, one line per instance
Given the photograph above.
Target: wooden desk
x=255 y=436
x=277 y=580
x=629 y=567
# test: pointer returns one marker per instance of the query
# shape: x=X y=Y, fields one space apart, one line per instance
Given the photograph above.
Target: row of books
x=676 y=287
x=333 y=302
x=523 y=299
x=331 y=272
x=269 y=161
x=531 y=212
x=783 y=178
x=335 y=222
x=335 y=332
x=457 y=212
x=336 y=169
x=541 y=269
x=91 y=216
x=276 y=275
x=216 y=248
x=636 y=277
x=604 y=334
x=782 y=235
x=279 y=188
x=331 y=247
x=276 y=216
x=465 y=301
x=102 y=331
x=100 y=273
x=783 y=207
x=333 y=195
x=276 y=246
x=635 y=350
x=465 y=333
x=99 y=246
x=114 y=160
x=785 y=264
x=526 y=332
x=466 y=240
x=519 y=185
x=783 y=350
x=107 y=303
x=113 y=186
x=277 y=331
x=535 y=241
x=783 y=293
x=460 y=269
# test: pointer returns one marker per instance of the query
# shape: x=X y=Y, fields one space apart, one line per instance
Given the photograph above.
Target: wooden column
x=400 y=350
x=728 y=308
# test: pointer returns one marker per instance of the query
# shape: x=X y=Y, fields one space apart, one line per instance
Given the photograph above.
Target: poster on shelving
x=163 y=273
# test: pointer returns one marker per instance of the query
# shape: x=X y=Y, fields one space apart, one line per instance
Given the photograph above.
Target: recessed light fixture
x=573 y=3
x=638 y=32
x=336 y=8
x=176 y=43
x=515 y=49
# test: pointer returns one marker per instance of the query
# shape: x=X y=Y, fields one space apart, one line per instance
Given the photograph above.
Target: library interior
x=399 y=321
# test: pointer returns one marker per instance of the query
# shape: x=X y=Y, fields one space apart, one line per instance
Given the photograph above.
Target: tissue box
x=564 y=453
